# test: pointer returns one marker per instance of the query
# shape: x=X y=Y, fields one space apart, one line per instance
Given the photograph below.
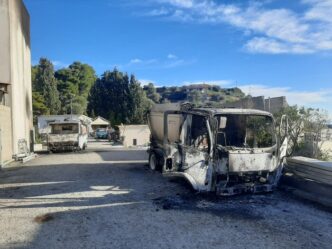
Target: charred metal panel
x=249 y=162
x=197 y=166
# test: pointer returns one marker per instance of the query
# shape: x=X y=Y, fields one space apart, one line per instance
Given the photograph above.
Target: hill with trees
x=198 y=94
x=114 y=95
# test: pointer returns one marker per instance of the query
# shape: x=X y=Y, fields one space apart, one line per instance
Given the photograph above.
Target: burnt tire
x=155 y=163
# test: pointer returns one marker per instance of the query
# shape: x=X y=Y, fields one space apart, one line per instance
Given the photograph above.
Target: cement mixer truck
x=227 y=151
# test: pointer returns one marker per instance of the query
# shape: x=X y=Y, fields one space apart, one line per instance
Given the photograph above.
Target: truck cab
x=229 y=151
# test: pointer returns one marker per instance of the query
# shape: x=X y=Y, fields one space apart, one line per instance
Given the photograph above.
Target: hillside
x=202 y=94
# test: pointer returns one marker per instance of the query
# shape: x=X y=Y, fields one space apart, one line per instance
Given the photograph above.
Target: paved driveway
x=105 y=198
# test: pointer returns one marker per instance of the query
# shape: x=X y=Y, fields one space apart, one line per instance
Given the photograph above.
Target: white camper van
x=67 y=135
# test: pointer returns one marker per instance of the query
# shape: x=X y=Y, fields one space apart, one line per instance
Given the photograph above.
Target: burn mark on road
x=239 y=208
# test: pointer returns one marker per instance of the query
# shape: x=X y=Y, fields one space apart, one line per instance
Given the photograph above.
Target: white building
x=134 y=135
x=100 y=122
x=15 y=79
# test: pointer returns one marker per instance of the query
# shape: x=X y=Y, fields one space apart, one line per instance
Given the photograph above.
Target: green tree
x=74 y=84
x=45 y=84
x=151 y=92
x=38 y=106
x=118 y=98
x=305 y=127
x=139 y=103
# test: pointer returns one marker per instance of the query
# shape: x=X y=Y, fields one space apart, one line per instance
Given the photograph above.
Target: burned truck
x=227 y=151
x=70 y=135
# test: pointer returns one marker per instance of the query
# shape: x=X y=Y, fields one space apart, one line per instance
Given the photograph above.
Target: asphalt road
x=108 y=198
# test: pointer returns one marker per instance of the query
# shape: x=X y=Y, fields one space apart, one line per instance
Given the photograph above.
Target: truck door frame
x=198 y=163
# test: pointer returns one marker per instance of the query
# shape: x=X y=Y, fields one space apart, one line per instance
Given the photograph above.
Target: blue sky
x=269 y=48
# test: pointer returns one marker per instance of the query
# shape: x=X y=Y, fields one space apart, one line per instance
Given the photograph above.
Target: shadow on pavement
x=125 y=205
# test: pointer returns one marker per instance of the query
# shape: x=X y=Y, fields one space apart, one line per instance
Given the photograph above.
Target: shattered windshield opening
x=245 y=131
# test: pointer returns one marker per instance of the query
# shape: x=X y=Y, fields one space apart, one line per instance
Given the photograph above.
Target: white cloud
x=320 y=10
x=145 y=82
x=135 y=61
x=141 y=62
x=59 y=64
x=172 y=56
x=179 y=3
x=171 y=62
x=158 y=12
x=272 y=46
x=278 y=30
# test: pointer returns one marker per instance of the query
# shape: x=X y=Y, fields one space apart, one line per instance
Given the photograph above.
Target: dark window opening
x=247 y=131
x=64 y=128
x=198 y=135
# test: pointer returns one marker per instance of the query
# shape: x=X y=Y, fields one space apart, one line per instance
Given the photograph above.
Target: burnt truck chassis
x=169 y=159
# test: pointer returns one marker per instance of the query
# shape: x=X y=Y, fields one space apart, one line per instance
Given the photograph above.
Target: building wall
x=272 y=105
x=250 y=103
x=5 y=134
x=4 y=43
x=139 y=132
x=326 y=143
x=16 y=67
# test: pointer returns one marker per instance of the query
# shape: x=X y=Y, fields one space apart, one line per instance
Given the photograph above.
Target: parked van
x=67 y=135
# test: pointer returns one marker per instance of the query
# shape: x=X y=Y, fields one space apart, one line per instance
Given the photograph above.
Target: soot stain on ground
x=245 y=207
x=43 y=218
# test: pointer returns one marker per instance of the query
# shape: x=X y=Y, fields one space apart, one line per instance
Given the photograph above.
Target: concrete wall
x=16 y=62
x=249 y=102
x=4 y=43
x=139 y=132
x=326 y=143
x=6 y=149
x=272 y=105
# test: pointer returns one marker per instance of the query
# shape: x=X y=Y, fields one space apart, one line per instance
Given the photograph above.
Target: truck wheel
x=153 y=161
